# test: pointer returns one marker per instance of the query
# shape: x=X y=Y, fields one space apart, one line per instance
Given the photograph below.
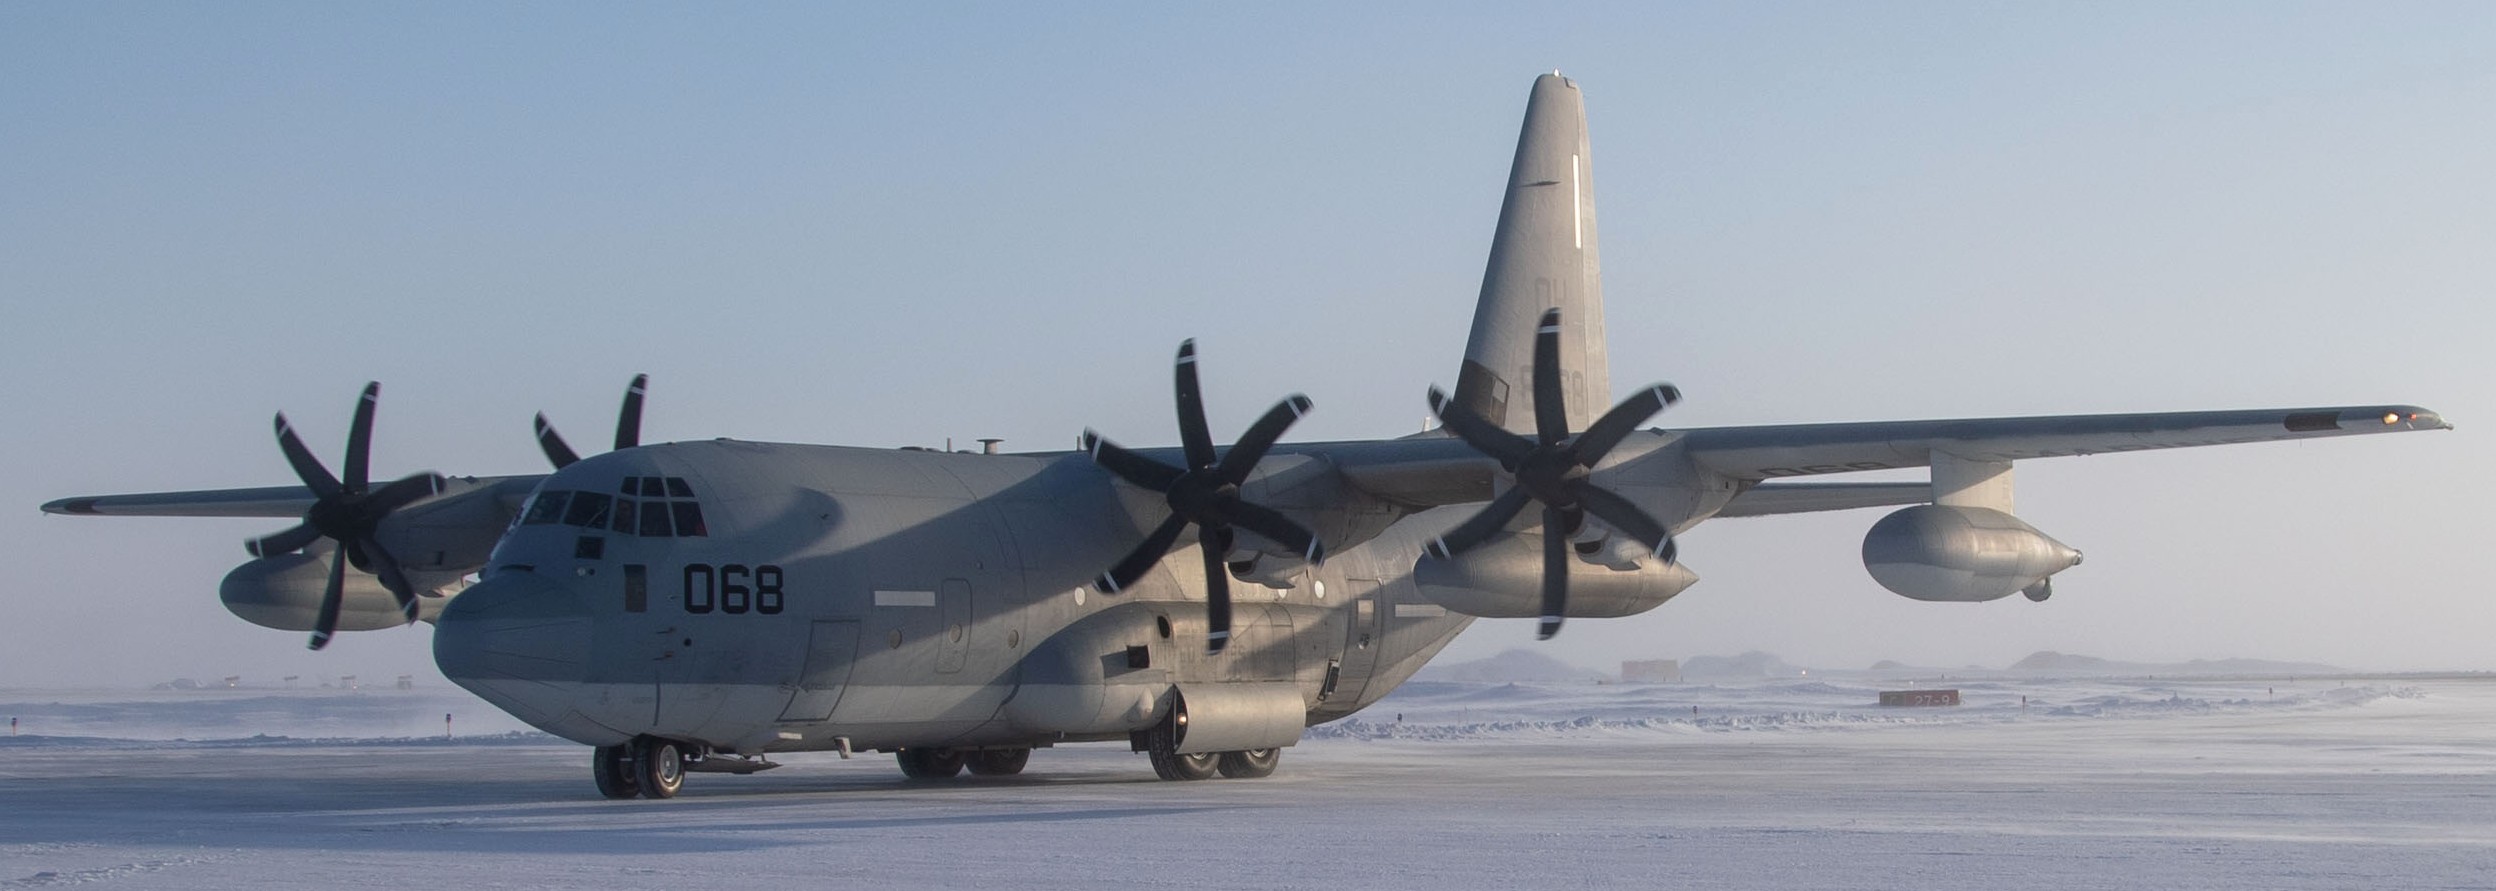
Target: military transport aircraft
x=700 y=606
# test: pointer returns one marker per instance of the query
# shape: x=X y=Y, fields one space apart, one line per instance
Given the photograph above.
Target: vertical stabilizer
x=1543 y=256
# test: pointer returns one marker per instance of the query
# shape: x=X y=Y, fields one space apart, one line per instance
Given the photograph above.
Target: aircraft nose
x=520 y=641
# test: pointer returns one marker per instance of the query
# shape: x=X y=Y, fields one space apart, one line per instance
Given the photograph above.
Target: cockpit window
x=654 y=522
x=688 y=517
x=676 y=488
x=627 y=521
x=589 y=509
x=546 y=508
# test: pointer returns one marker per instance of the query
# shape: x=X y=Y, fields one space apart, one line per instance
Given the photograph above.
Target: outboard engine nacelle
x=1961 y=554
x=1503 y=579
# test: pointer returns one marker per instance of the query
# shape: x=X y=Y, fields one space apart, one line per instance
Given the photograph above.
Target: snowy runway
x=2095 y=784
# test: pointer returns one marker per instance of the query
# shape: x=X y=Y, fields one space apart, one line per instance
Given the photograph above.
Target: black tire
x=929 y=764
x=612 y=767
x=997 y=762
x=660 y=767
x=1251 y=764
x=1170 y=765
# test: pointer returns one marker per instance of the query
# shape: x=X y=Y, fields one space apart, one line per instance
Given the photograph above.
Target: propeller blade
x=360 y=440
x=1276 y=527
x=307 y=468
x=1141 y=560
x=1193 y=435
x=1617 y=424
x=1551 y=412
x=558 y=452
x=393 y=577
x=1622 y=515
x=1217 y=591
x=1252 y=445
x=325 y=624
x=289 y=541
x=1129 y=466
x=628 y=420
x=1492 y=519
x=1485 y=437
x=1555 y=570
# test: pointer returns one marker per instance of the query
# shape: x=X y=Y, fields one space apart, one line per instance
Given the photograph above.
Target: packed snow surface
x=2033 y=783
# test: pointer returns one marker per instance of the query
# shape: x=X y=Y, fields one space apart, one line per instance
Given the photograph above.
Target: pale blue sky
x=885 y=226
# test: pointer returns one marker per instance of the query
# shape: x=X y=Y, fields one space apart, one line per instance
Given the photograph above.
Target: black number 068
x=733 y=588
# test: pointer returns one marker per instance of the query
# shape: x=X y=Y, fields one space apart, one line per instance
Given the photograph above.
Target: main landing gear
x=944 y=764
x=1162 y=742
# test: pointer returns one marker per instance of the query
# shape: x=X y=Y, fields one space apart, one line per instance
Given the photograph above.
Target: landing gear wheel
x=929 y=764
x=612 y=766
x=660 y=767
x=1251 y=764
x=1171 y=765
x=997 y=762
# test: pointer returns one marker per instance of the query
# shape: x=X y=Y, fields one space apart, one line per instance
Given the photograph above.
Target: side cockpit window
x=546 y=508
x=588 y=510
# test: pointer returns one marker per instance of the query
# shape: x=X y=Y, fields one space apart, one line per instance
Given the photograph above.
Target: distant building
x=1651 y=671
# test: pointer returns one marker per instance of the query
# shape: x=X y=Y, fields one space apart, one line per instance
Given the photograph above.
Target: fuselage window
x=654 y=521
x=688 y=517
x=546 y=508
x=589 y=509
x=627 y=521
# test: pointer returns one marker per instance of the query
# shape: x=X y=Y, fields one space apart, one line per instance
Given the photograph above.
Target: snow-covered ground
x=2267 y=784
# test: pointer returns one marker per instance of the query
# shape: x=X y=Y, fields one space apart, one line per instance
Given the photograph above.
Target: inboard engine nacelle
x=1503 y=580
x=1961 y=554
x=284 y=592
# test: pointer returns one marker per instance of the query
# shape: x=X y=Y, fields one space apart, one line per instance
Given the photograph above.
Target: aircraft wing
x=1432 y=469
x=286 y=502
x=1771 y=452
x=280 y=502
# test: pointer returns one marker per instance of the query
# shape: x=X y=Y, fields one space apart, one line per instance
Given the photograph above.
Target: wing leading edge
x=1773 y=452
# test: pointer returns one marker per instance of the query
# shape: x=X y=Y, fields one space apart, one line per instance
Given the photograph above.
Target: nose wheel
x=644 y=768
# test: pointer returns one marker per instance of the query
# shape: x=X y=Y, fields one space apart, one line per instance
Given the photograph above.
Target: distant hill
x=1510 y=667
x=2065 y=663
x=1754 y=664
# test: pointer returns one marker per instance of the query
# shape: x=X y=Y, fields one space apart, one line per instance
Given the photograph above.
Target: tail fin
x=1543 y=256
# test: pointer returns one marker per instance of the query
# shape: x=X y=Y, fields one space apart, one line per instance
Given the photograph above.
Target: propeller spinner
x=1552 y=468
x=348 y=511
x=1205 y=494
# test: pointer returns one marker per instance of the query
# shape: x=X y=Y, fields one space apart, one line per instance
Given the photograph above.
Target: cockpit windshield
x=650 y=506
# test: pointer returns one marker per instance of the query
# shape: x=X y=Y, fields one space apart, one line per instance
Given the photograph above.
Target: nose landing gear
x=647 y=767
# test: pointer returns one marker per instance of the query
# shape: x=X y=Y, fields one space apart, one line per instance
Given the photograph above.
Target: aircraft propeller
x=627 y=427
x=1204 y=493
x=349 y=512
x=1552 y=468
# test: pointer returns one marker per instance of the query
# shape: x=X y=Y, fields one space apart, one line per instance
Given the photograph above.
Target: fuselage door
x=830 y=651
x=953 y=625
x=1362 y=638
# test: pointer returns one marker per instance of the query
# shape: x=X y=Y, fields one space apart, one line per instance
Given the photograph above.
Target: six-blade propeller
x=348 y=511
x=1552 y=468
x=1205 y=493
x=627 y=427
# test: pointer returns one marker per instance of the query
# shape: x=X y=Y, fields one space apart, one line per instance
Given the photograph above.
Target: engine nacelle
x=284 y=592
x=1961 y=554
x=1280 y=573
x=1503 y=579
